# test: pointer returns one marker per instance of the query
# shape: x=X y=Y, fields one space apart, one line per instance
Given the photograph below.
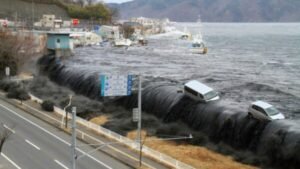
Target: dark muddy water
x=245 y=62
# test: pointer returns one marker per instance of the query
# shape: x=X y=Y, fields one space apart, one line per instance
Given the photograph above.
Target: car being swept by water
x=200 y=92
x=264 y=111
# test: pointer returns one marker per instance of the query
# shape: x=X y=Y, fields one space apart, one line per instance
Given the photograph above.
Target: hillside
x=23 y=10
x=214 y=10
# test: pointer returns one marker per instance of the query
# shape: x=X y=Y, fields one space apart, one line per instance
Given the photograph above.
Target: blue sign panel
x=116 y=85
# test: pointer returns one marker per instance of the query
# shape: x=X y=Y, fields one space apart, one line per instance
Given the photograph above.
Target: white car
x=200 y=92
x=262 y=110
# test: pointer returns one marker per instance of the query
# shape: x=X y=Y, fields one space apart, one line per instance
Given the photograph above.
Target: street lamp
x=66 y=113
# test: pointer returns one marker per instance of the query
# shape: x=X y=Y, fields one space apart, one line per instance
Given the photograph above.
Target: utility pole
x=140 y=117
x=32 y=8
x=16 y=19
x=73 y=145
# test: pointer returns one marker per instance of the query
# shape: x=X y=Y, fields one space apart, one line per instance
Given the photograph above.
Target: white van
x=200 y=92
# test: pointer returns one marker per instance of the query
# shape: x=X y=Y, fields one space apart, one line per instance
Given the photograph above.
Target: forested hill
x=214 y=10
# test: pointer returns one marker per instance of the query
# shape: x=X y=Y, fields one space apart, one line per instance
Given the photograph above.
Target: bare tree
x=15 y=49
x=4 y=135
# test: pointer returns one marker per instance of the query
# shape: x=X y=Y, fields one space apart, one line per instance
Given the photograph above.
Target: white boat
x=138 y=39
x=186 y=35
x=198 y=46
x=85 y=38
x=122 y=42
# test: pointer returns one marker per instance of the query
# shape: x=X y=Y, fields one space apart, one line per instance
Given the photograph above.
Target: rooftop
x=199 y=87
x=262 y=104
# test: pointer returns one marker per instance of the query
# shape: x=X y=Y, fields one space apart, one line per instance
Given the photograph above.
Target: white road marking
x=60 y=139
x=8 y=159
x=111 y=147
x=9 y=128
x=33 y=145
x=61 y=164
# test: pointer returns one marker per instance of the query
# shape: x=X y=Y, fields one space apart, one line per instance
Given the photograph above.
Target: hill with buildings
x=214 y=10
x=26 y=10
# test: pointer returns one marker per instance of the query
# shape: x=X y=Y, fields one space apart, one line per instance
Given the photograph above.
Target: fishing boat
x=186 y=35
x=138 y=39
x=198 y=45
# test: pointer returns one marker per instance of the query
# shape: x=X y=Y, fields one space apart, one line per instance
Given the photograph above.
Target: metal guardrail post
x=73 y=146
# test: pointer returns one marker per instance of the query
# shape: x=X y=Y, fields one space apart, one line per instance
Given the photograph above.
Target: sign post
x=121 y=85
x=140 y=117
x=135 y=115
x=7 y=71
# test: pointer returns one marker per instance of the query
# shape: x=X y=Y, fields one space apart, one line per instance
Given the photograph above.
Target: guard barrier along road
x=115 y=136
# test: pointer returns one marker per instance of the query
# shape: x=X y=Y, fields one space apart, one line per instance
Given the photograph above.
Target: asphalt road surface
x=35 y=144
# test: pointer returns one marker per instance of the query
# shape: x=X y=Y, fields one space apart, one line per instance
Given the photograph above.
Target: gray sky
x=116 y=1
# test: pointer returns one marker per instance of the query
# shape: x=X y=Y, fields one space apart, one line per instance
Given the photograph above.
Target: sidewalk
x=112 y=148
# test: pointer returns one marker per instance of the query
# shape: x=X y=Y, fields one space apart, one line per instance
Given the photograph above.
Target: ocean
x=245 y=62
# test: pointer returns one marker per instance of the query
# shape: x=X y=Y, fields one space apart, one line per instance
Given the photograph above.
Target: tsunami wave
x=276 y=142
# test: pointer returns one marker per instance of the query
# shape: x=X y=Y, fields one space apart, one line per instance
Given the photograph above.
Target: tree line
x=98 y=12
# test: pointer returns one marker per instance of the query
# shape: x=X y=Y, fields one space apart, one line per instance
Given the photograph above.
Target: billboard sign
x=116 y=85
x=75 y=22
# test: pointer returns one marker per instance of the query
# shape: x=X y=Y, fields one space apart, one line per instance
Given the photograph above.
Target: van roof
x=199 y=87
x=262 y=104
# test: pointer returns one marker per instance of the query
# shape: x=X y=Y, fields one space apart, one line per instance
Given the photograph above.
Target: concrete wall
x=58 y=41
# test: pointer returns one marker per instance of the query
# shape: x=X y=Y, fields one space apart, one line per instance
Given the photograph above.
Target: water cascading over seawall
x=276 y=142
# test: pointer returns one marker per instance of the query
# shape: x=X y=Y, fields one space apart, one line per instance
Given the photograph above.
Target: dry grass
x=100 y=120
x=25 y=75
x=199 y=157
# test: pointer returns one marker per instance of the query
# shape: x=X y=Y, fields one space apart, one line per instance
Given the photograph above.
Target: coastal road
x=35 y=144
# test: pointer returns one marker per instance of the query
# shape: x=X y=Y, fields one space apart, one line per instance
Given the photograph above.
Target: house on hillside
x=138 y=28
x=150 y=26
x=109 y=32
x=4 y=23
x=49 y=22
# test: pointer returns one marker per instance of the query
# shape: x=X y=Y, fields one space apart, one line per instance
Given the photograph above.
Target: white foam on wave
x=172 y=34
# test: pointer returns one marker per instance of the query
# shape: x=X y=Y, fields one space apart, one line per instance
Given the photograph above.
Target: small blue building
x=60 y=43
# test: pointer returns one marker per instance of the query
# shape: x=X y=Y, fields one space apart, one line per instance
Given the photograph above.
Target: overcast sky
x=116 y=1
